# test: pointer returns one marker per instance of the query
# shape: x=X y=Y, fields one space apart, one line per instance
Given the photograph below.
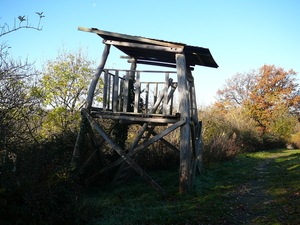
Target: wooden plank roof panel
x=194 y=55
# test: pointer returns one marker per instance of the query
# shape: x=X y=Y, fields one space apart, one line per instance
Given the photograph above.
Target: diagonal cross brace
x=125 y=156
x=122 y=153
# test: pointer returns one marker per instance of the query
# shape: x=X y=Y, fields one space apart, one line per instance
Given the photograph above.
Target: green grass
x=209 y=202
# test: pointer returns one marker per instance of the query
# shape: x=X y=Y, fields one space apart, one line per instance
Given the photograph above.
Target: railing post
x=137 y=93
x=115 y=91
x=126 y=92
x=165 y=99
x=105 y=90
x=147 y=97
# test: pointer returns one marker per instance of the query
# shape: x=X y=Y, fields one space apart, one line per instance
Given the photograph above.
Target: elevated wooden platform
x=129 y=97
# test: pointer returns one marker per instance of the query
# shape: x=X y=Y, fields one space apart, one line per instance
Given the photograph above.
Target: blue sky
x=240 y=34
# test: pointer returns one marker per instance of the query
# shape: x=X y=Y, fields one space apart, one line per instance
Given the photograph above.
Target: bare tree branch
x=5 y=29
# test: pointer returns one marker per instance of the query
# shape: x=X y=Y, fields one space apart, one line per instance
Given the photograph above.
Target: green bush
x=273 y=141
x=42 y=190
x=296 y=140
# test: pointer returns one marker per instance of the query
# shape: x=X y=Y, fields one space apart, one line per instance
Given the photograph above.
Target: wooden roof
x=155 y=52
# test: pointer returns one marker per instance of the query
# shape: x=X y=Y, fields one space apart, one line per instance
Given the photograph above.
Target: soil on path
x=251 y=200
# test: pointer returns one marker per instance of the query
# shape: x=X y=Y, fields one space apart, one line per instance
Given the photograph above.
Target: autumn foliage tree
x=269 y=95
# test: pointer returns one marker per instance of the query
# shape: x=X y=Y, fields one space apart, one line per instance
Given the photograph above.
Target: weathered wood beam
x=157 y=63
x=168 y=144
x=184 y=109
x=157 y=137
x=144 y=46
x=96 y=77
x=137 y=119
x=97 y=145
x=80 y=139
x=154 y=63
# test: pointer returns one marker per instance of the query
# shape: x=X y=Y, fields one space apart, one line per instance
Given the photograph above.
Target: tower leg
x=185 y=131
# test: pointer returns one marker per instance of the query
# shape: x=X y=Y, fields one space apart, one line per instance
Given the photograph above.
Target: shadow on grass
x=213 y=200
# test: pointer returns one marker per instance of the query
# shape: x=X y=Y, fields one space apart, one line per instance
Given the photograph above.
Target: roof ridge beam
x=144 y=46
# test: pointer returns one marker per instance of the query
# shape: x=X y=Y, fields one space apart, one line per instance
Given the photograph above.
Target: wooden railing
x=126 y=91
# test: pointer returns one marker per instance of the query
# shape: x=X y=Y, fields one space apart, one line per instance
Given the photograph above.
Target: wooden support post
x=184 y=109
x=197 y=161
x=96 y=77
x=89 y=101
x=80 y=140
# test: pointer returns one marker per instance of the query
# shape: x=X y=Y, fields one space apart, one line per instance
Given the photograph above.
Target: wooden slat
x=105 y=90
x=115 y=92
x=138 y=119
x=155 y=92
x=142 y=71
x=126 y=91
x=147 y=97
x=121 y=96
x=165 y=90
x=109 y=102
x=155 y=63
x=137 y=92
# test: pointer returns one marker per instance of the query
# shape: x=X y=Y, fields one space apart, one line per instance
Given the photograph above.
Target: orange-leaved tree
x=263 y=93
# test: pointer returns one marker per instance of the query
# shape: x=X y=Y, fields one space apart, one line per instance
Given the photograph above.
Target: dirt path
x=251 y=201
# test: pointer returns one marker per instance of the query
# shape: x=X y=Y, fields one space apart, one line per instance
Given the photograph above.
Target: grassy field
x=259 y=188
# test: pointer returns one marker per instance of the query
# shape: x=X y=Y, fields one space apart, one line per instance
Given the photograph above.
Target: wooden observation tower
x=120 y=101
